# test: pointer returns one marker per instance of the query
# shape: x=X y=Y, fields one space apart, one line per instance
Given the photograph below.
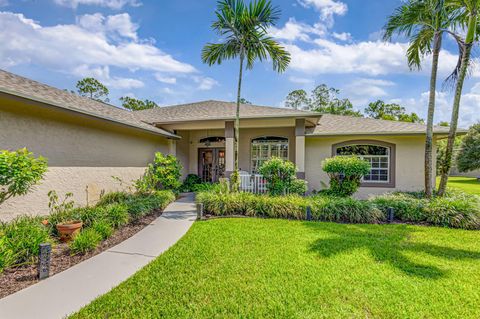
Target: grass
x=270 y=268
x=467 y=184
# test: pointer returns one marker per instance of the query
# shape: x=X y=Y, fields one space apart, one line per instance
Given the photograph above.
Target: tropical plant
x=298 y=100
x=163 y=173
x=190 y=182
x=134 y=104
x=468 y=158
x=423 y=23
x=467 y=10
x=244 y=32
x=94 y=89
x=345 y=174
x=390 y=111
x=19 y=172
x=84 y=242
x=280 y=177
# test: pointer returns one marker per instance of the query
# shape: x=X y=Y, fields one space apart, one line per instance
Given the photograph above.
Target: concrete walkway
x=70 y=290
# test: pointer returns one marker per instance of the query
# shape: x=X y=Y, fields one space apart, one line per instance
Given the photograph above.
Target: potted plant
x=69 y=229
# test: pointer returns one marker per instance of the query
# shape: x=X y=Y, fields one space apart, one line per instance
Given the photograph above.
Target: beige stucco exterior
x=409 y=169
x=83 y=153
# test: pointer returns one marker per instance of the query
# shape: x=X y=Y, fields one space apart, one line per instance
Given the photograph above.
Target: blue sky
x=151 y=49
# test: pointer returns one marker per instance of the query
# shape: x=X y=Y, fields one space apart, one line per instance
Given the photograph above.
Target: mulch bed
x=15 y=279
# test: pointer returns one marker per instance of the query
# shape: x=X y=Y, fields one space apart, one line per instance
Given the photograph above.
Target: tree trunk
x=437 y=44
x=456 y=103
x=235 y=178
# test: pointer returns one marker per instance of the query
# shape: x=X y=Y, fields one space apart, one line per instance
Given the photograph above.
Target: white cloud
x=293 y=31
x=112 y=26
x=363 y=90
x=300 y=80
x=204 y=83
x=344 y=36
x=165 y=79
x=112 y=4
x=65 y=47
x=4 y=3
x=327 y=8
x=103 y=75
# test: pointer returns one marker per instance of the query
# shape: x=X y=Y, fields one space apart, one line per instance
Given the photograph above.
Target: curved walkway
x=70 y=290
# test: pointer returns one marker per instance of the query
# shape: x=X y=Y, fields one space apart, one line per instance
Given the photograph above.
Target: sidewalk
x=70 y=290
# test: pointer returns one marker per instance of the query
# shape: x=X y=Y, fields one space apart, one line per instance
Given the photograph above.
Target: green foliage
x=190 y=182
x=94 y=89
x=133 y=104
x=84 y=242
x=20 y=240
x=441 y=150
x=407 y=207
x=117 y=214
x=322 y=99
x=280 y=177
x=324 y=208
x=112 y=198
x=163 y=174
x=139 y=206
x=103 y=228
x=468 y=158
x=393 y=112
x=19 y=171
x=345 y=173
x=56 y=205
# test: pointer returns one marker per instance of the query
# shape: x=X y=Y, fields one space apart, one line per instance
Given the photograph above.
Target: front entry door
x=211 y=164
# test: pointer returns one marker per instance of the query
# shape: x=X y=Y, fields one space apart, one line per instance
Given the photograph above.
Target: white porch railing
x=252 y=183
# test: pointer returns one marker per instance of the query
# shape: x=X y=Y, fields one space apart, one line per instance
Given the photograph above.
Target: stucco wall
x=409 y=170
x=81 y=152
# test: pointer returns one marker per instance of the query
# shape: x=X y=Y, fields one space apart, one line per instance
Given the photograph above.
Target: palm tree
x=244 y=32
x=423 y=22
x=468 y=11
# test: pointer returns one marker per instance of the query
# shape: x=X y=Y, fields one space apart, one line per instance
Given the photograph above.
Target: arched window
x=263 y=148
x=380 y=156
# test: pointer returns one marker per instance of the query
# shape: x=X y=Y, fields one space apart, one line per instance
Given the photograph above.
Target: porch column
x=300 y=147
x=229 y=148
x=172 y=147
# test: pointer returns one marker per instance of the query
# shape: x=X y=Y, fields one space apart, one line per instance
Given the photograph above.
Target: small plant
x=113 y=197
x=345 y=174
x=280 y=177
x=20 y=240
x=103 y=227
x=56 y=205
x=190 y=182
x=163 y=174
x=116 y=214
x=86 y=241
x=19 y=172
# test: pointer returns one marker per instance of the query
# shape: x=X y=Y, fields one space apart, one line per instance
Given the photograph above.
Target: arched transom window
x=263 y=148
x=378 y=154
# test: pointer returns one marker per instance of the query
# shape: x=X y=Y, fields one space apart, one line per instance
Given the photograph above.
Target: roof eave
x=231 y=118
x=46 y=103
x=414 y=133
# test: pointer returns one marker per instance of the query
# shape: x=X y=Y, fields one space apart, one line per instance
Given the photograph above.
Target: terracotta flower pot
x=68 y=230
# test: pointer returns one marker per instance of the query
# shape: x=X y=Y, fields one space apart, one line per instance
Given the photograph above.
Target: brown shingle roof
x=213 y=110
x=25 y=88
x=330 y=124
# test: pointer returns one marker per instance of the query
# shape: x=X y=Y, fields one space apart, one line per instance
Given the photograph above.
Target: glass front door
x=211 y=164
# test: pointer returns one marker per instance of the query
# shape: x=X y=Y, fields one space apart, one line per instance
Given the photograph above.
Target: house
x=93 y=147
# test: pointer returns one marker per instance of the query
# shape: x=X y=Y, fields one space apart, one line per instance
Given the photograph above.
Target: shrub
x=87 y=240
x=163 y=174
x=116 y=214
x=20 y=240
x=19 y=171
x=406 y=206
x=103 y=227
x=190 y=182
x=345 y=173
x=139 y=206
x=88 y=215
x=112 y=198
x=344 y=209
x=280 y=177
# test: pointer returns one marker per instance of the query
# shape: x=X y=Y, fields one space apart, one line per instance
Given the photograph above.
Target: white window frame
x=273 y=141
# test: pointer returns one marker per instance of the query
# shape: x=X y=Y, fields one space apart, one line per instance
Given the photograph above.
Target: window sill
x=378 y=185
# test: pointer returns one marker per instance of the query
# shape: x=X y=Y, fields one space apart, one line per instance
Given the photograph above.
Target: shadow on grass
x=386 y=244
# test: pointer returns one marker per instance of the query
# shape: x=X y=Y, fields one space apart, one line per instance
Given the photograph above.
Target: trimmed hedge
x=456 y=210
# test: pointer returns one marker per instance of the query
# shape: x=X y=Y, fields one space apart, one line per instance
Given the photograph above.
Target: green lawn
x=267 y=268
x=467 y=184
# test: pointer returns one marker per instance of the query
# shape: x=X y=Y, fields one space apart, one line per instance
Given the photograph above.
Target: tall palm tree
x=424 y=23
x=243 y=29
x=468 y=11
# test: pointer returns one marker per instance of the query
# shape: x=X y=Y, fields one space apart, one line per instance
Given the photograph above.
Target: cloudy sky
x=151 y=49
